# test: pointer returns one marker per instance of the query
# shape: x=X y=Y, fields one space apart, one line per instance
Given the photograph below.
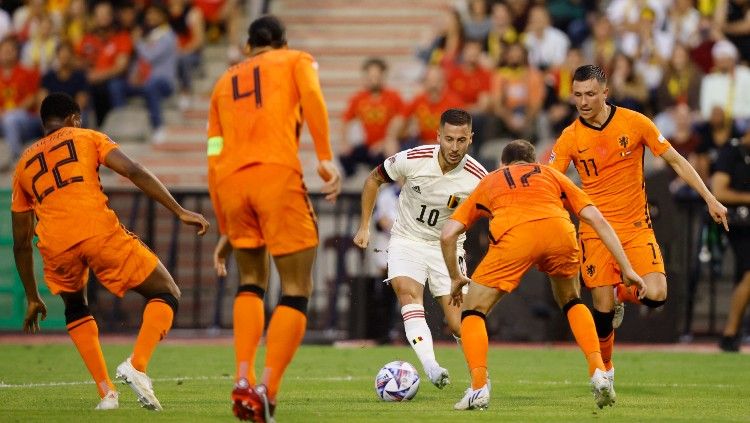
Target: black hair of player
x=58 y=106
x=375 y=61
x=455 y=117
x=518 y=151
x=586 y=72
x=266 y=31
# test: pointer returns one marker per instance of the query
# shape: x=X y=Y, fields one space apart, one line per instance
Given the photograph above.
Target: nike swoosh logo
x=585 y=149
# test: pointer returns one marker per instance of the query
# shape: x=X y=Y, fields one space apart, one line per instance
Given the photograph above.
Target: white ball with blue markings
x=397 y=381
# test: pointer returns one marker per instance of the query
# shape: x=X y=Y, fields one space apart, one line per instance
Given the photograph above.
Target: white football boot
x=474 y=399
x=438 y=376
x=140 y=383
x=601 y=387
x=619 y=312
x=109 y=402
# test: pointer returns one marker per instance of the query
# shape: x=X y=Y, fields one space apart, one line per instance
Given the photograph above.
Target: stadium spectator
x=26 y=19
x=626 y=15
x=187 y=22
x=732 y=17
x=129 y=17
x=254 y=137
x=447 y=44
x=570 y=16
x=425 y=109
x=627 y=87
x=223 y=16
x=519 y=216
x=18 y=90
x=683 y=22
x=377 y=109
x=649 y=46
x=105 y=52
x=153 y=74
x=6 y=25
x=600 y=47
x=519 y=12
x=680 y=132
x=681 y=82
x=727 y=86
x=708 y=35
x=731 y=185
x=518 y=93
x=476 y=23
x=39 y=51
x=74 y=21
x=560 y=109
x=501 y=34
x=547 y=45
x=66 y=78
x=714 y=134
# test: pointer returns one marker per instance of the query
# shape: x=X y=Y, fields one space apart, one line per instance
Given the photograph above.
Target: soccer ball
x=397 y=381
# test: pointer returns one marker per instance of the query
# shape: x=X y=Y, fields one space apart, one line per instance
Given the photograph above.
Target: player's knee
x=169 y=299
x=296 y=302
x=603 y=322
x=467 y=313
x=252 y=289
x=75 y=310
x=570 y=304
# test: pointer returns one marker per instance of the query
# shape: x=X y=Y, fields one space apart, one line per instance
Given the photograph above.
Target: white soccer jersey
x=428 y=197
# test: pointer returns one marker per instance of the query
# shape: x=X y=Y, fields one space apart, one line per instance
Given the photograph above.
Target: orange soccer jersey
x=524 y=201
x=610 y=162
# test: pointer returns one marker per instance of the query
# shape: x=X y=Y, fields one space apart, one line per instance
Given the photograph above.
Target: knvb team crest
x=590 y=270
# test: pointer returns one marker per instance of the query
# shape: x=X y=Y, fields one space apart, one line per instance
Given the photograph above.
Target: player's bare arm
x=23 y=234
x=593 y=217
x=452 y=229
x=720 y=184
x=683 y=168
x=222 y=249
x=151 y=186
x=369 y=194
x=330 y=174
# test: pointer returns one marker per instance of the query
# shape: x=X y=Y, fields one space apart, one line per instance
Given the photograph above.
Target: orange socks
x=249 y=320
x=285 y=333
x=475 y=346
x=157 y=319
x=85 y=335
x=627 y=294
x=607 y=345
x=582 y=324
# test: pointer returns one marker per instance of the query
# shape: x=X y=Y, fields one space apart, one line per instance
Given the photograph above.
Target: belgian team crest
x=453 y=202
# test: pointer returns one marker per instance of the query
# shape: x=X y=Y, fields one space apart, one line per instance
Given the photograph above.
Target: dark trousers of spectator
x=153 y=91
x=360 y=155
x=187 y=65
x=100 y=99
x=19 y=125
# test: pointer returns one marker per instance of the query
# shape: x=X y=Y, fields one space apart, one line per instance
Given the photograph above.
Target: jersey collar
x=606 y=122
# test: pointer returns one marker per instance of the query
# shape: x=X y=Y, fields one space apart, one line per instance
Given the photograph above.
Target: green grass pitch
x=326 y=384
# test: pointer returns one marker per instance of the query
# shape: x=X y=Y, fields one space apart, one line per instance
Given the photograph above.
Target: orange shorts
x=599 y=267
x=119 y=260
x=267 y=205
x=555 y=253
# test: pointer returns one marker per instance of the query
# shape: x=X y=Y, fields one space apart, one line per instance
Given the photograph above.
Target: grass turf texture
x=335 y=385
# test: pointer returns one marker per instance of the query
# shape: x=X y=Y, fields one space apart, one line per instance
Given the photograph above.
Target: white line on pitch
x=633 y=384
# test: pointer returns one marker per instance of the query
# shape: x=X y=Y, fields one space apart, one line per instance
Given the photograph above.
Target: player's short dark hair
x=456 y=117
x=375 y=61
x=586 y=72
x=265 y=31
x=58 y=106
x=518 y=150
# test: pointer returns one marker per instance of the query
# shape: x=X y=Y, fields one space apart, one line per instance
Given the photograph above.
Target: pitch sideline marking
x=353 y=378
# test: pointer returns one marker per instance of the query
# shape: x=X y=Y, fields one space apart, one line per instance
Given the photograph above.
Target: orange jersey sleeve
x=474 y=207
x=256 y=112
x=58 y=178
x=573 y=196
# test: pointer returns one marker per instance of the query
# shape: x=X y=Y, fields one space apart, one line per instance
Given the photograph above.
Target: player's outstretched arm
x=683 y=168
x=23 y=234
x=452 y=229
x=330 y=174
x=369 y=194
x=222 y=249
x=151 y=186
x=592 y=216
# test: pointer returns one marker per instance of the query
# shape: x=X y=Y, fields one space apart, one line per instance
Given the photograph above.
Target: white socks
x=418 y=334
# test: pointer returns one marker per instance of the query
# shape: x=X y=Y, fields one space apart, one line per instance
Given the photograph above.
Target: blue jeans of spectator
x=187 y=64
x=153 y=91
x=19 y=125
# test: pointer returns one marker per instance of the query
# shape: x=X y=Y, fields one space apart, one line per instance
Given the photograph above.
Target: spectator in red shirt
x=425 y=109
x=18 y=88
x=105 y=52
x=187 y=22
x=377 y=109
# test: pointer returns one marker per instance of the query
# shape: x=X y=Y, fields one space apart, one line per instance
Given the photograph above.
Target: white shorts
x=421 y=261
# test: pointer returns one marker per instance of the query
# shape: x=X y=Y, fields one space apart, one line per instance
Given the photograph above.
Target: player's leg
x=440 y=287
x=248 y=311
x=452 y=315
x=84 y=332
x=644 y=253
x=739 y=239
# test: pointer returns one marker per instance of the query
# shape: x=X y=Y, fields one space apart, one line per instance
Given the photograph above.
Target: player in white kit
x=436 y=178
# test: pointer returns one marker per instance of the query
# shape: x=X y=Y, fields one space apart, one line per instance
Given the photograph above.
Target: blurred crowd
x=510 y=63
x=103 y=53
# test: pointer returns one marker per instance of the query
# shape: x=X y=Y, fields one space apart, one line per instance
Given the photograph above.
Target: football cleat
x=619 y=312
x=474 y=399
x=439 y=377
x=252 y=404
x=109 y=402
x=602 y=388
x=140 y=383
